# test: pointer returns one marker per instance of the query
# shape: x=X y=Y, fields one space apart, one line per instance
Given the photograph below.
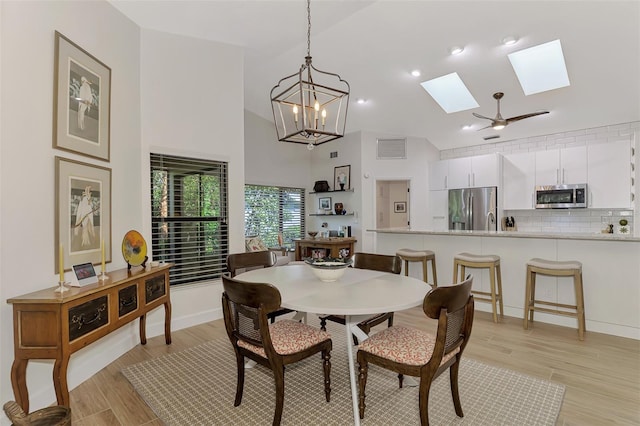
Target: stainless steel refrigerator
x=473 y=209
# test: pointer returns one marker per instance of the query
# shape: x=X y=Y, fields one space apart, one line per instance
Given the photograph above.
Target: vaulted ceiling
x=374 y=45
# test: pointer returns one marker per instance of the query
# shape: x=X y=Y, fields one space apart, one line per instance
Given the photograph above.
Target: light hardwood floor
x=601 y=373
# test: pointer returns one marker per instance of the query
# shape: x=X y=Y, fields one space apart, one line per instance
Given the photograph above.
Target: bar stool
x=478 y=261
x=571 y=268
x=409 y=255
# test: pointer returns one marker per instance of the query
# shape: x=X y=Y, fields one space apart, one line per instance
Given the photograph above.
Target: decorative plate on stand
x=134 y=249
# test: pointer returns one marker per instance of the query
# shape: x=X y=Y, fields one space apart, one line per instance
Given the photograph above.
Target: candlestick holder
x=61 y=288
x=103 y=276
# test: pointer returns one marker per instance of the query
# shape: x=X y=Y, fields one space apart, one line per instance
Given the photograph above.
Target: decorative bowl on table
x=328 y=269
x=312 y=234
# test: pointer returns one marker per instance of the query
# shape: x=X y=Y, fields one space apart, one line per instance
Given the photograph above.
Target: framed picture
x=83 y=213
x=400 y=207
x=81 y=101
x=341 y=178
x=324 y=203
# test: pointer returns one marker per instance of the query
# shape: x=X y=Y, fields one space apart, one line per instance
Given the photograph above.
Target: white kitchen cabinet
x=439 y=209
x=472 y=172
x=609 y=175
x=519 y=171
x=438 y=175
x=561 y=166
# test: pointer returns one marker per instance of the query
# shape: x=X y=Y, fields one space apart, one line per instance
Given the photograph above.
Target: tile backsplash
x=572 y=220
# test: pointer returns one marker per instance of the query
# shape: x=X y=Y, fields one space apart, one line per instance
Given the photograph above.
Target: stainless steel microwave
x=561 y=196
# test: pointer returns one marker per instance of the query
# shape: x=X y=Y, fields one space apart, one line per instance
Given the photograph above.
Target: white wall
x=155 y=73
x=270 y=162
x=192 y=106
x=420 y=152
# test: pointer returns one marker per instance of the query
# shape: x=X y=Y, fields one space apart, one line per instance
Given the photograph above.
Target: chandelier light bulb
x=310 y=146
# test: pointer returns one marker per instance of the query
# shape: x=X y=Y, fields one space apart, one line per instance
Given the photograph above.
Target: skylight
x=450 y=93
x=540 y=68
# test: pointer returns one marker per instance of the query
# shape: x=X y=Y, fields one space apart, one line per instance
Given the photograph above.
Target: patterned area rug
x=197 y=387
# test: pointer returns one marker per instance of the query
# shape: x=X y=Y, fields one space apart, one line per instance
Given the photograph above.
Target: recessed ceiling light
x=456 y=50
x=450 y=93
x=361 y=101
x=540 y=68
x=509 y=40
x=415 y=73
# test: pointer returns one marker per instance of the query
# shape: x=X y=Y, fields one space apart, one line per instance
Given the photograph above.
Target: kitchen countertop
x=514 y=234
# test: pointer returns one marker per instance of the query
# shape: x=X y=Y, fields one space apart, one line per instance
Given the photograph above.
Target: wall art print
x=83 y=212
x=82 y=101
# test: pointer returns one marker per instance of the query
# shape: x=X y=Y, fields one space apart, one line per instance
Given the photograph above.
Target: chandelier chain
x=308 y=27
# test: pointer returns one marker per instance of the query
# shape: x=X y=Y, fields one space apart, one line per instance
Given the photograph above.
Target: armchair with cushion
x=254 y=260
x=246 y=307
x=421 y=354
x=254 y=243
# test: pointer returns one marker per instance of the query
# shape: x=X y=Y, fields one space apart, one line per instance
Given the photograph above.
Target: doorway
x=392 y=204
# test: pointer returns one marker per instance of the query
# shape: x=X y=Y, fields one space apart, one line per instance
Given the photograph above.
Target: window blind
x=189 y=216
x=270 y=210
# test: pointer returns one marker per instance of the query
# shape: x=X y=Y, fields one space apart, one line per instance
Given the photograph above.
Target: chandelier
x=310 y=106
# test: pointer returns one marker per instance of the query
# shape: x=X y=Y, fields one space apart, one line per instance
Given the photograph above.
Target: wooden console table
x=48 y=325
x=333 y=244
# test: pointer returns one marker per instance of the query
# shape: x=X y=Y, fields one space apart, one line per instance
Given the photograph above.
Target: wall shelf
x=334 y=215
x=328 y=192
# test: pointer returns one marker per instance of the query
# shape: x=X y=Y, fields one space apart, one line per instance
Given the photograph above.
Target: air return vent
x=487 y=138
x=392 y=149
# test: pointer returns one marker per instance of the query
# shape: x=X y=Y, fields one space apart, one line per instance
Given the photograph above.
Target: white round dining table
x=358 y=294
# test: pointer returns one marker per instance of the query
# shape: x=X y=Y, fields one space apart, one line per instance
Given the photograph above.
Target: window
x=189 y=216
x=270 y=210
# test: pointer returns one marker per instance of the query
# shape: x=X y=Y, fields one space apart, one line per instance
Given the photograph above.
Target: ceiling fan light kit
x=310 y=106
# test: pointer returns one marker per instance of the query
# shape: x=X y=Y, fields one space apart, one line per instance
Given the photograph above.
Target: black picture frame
x=342 y=178
x=400 y=207
x=324 y=203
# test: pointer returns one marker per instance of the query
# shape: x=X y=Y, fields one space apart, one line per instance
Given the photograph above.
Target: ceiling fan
x=498 y=122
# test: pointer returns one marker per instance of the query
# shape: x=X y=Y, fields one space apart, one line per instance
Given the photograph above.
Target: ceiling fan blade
x=488 y=127
x=522 y=117
x=481 y=116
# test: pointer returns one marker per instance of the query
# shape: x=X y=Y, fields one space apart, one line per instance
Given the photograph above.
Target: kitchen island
x=610 y=262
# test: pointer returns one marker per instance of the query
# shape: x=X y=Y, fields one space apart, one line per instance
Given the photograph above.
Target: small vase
x=338 y=208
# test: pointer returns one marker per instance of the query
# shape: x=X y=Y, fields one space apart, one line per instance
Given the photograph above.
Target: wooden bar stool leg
x=435 y=275
x=424 y=270
x=527 y=299
x=492 y=279
x=455 y=271
x=533 y=295
x=499 y=272
x=406 y=268
x=577 y=279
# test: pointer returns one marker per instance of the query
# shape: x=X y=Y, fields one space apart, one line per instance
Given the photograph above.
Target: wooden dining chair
x=253 y=260
x=245 y=308
x=421 y=354
x=374 y=262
